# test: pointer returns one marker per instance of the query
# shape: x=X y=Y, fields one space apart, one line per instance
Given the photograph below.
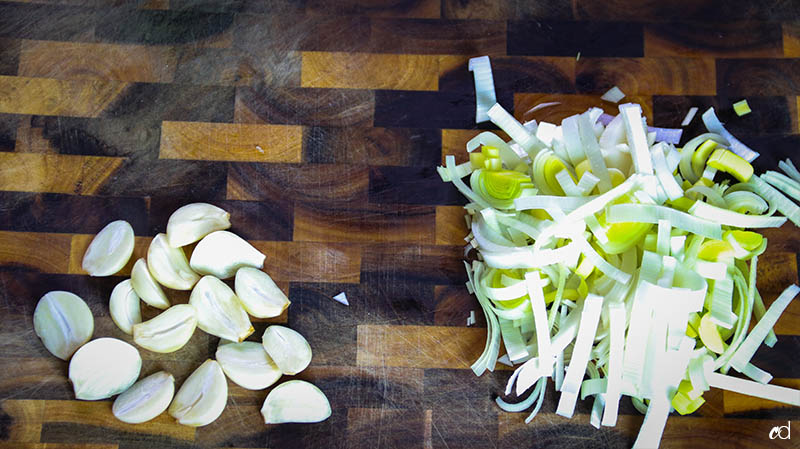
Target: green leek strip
x=664 y=174
x=757 y=374
x=688 y=150
x=746 y=350
x=722 y=303
x=509 y=157
x=539 y=401
x=600 y=263
x=450 y=162
x=651 y=213
x=512 y=340
x=488 y=358
x=519 y=406
x=572 y=139
x=730 y=218
x=744 y=289
x=515 y=130
x=732 y=163
x=743 y=201
x=697 y=376
x=748 y=387
x=587 y=183
x=460 y=169
x=580 y=355
x=776 y=199
x=594 y=386
x=759 y=310
x=534 y=284
x=701 y=155
x=637 y=137
x=615 y=359
x=593 y=153
x=784 y=183
x=788 y=167
x=554 y=307
x=663 y=239
x=713 y=197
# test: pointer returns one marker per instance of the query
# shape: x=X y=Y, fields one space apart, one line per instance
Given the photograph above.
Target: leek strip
x=722 y=303
x=748 y=387
x=529 y=373
x=711 y=195
x=593 y=153
x=587 y=183
x=562 y=280
x=783 y=183
x=750 y=344
x=655 y=419
x=688 y=150
x=613 y=95
x=567 y=331
x=641 y=318
x=600 y=263
x=697 y=376
x=616 y=351
x=536 y=294
x=689 y=116
x=519 y=406
x=510 y=293
x=757 y=374
x=776 y=199
x=461 y=170
x=788 y=167
x=558 y=377
x=711 y=270
x=572 y=139
x=488 y=358
x=637 y=138
x=594 y=386
x=744 y=312
x=519 y=225
x=596 y=204
x=597 y=411
x=715 y=126
x=450 y=162
x=664 y=174
x=567 y=184
x=539 y=401
x=614 y=134
x=663 y=237
x=598 y=231
x=509 y=157
x=656 y=346
x=566 y=203
x=515 y=130
x=726 y=217
x=743 y=201
x=759 y=310
x=512 y=340
x=580 y=355
x=485 y=95
x=651 y=213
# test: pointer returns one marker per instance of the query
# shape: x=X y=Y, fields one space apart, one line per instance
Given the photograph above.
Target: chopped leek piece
x=741 y=108
x=731 y=163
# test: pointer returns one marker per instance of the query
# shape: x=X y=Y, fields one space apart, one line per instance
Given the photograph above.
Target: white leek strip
x=697 y=375
x=600 y=201
x=783 y=183
x=488 y=358
x=744 y=311
x=520 y=406
x=567 y=330
x=512 y=340
x=651 y=213
x=616 y=311
x=593 y=153
x=614 y=95
x=636 y=343
x=515 y=130
x=461 y=170
x=748 y=387
x=673 y=159
x=689 y=116
x=664 y=174
x=600 y=263
x=788 y=167
x=759 y=310
x=529 y=373
x=715 y=126
x=568 y=184
x=587 y=182
x=509 y=293
x=750 y=344
x=520 y=225
x=757 y=374
x=542 y=389
x=614 y=134
x=450 y=163
x=555 y=306
x=656 y=346
x=593 y=386
x=558 y=376
x=653 y=425
x=536 y=294
x=776 y=199
x=341 y=298
x=580 y=355
x=597 y=411
x=505 y=361
x=572 y=139
x=546 y=132
x=598 y=231
x=485 y=96
x=727 y=217
x=663 y=236
x=544 y=202
x=712 y=270
x=677 y=244
x=743 y=201
x=713 y=197
x=637 y=137
x=722 y=302
x=509 y=157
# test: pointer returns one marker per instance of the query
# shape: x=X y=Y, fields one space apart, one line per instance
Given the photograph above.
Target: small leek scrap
x=579 y=226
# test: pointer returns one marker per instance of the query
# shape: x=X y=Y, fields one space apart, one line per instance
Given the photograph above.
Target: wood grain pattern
x=705 y=39
x=571 y=104
x=738 y=404
x=43 y=96
x=642 y=76
x=41 y=251
x=369 y=71
x=55 y=173
x=231 y=142
x=375 y=223
x=450 y=225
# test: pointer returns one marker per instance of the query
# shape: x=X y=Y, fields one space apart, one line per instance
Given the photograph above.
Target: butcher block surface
x=318 y=125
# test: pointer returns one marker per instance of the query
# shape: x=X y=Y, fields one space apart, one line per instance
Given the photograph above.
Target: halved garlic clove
x=169 y=266
x=124 y=306
x=64 y=323
x=146 y=286
x=290 y=350
x=110 y=249
x=168 y=331
x=221 y=253
x=259 y=294
x=219 y=311
x=104 y=367
x=202 y=397
x=248 y=365
x=194 y=221
x=146 y=399
x=296 y=401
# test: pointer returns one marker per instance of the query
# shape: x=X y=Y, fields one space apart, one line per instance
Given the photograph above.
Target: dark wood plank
x=758 y=76
x=423 y=36
x=511 y=74
x=9 y=56
x=397 y=185
x=558 y=38
x=238 y=66
x=506 y=9
x=413 y=263
x=425 y=109
x=687 y=10
x=307 y=106
x=152 y=101
x=305 y=183
x=407 y=147
x=417 y=9
x=684 y=76
x=707 y=39
x=53 y=22
x=364 y=223
x=8 y=131
x=291 y=32
x=158 y=27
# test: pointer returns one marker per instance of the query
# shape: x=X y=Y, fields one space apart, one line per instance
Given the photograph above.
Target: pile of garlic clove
x=104 y=367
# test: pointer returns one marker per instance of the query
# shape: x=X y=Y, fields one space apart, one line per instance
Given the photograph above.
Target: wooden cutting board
x=318 y=125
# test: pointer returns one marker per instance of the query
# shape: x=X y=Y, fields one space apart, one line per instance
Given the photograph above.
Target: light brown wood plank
x=648 y=76
x=791 y=40
x=365 y=223
x=370 y=71
x=46 y=252
x=311 y=262
x=42 y=96
x=26 y=419
x=231 y=142
x=82 y=60
x=740 y=403
x=80 y=243
x=55 y=173
x=776 y=271
x=15 y=445
x=450 y=225
x=99 y=414
x=789 y=322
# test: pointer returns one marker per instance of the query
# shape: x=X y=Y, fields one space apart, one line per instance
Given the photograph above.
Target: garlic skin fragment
x=110 y=249
x=288 y=349
x=219 y=311
x=202 y=397
x=104 y=367
x=168 y=331
x=146 y=286
x=248 y=365
x=63 y=322
x=295 y=401
x=259 y=294
x=221 y=253
x=192 y=222
x=169 y=266
x=146 y=399
x=124 y=306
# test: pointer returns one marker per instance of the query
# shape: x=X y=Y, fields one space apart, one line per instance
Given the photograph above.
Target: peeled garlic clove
x=259 y=294
x=168 y=331
x=248 y=365
x=64 y=322
x=146 y=399
x=146 y=286
x=104 y=367
x=169 y=266
x=110 y=249
x=221 y=253
x=290 y=350
x=194 y=221
x=219 y=311
x=124 y=306
x=296 y=401
x=202 y=397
